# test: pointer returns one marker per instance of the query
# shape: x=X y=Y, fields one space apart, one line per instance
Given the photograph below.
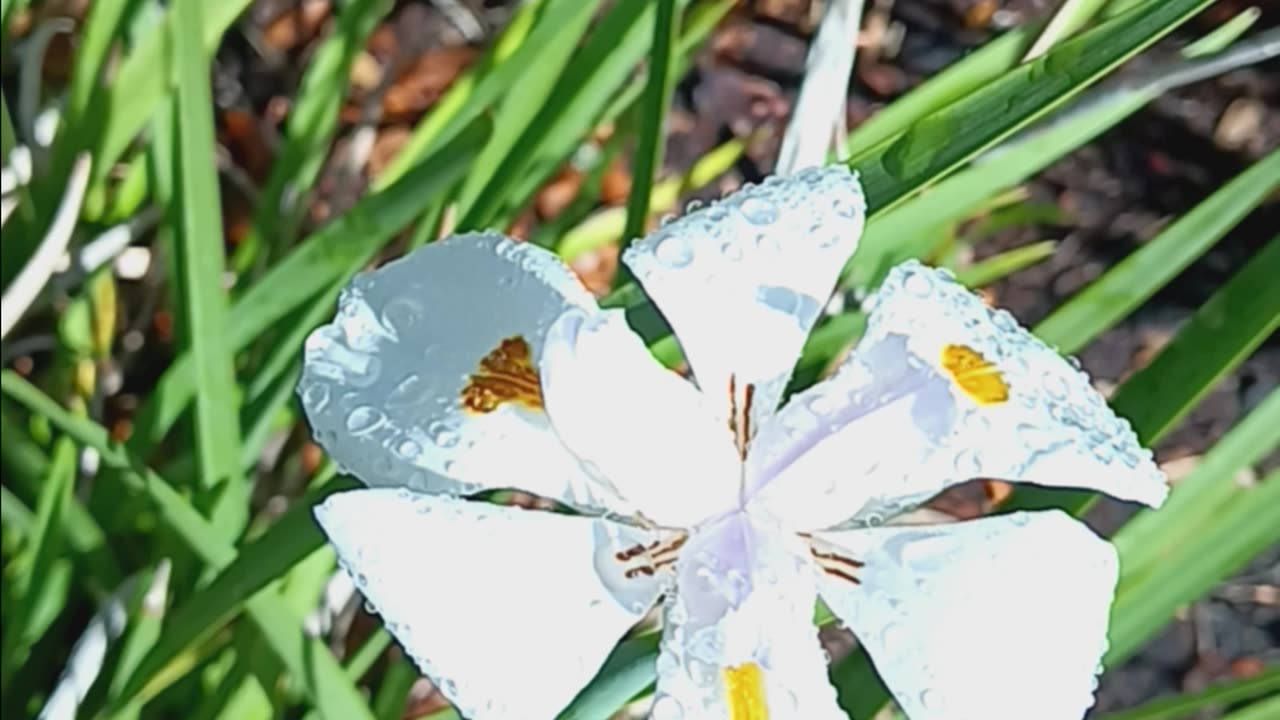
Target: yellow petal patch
x=976 y=375
x=744 y=690
x=506 y=374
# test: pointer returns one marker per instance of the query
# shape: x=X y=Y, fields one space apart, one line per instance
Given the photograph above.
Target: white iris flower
x=478 y=363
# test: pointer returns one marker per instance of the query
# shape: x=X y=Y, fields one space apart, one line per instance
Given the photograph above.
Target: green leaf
x=34 y=585
x=328 y=256
x=653 y=120
x=537 y=80
x=1213 y=528
x=594 y=74
x=1137 y=277
x=939 y=142
x=307 y=659
x=1184 y=707
x=195 y=209
x=253 y=573
x=313 y=121
x=538 y=24
x=1222 y=333
x=1261 y=710
x=1147 y=539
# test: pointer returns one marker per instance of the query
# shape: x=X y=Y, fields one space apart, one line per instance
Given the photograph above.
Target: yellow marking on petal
x=744 y=690
x=505 y=375
x=977 y=376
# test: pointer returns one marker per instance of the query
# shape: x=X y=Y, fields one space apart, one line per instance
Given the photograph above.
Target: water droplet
x=364 y=420
x=412 y=390
x=931 y=699
x=844 y=208
x=759 y=211
x=919 y=284
x=673 y=251
x=448 y=687
x=891 y=637
x=968 y=463
x=693 y=205
x=731 y=250
x=315 y=397
x=1055 y=385
x=666 y=707
x=823 y=403
x=1035 y=438
x=409 y=450
x=442 y=435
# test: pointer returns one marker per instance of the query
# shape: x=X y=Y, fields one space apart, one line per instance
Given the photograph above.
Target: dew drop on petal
x=364 y=420
x=931 y=699
x=919 y=284
x=967 y=463
x=315 y=397
x=759 y=211
x=666 y=707
x=891 y=637
x=674 y=252
x=409 y=450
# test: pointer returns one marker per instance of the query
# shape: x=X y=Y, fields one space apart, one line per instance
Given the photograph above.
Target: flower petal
x=739 y=640
x=1024 y=412
x=426 y=377
x=743 y=280
x=848 y=442
x=939 y=391
x=481 y=595
x=1002 y=618
x=646 y=431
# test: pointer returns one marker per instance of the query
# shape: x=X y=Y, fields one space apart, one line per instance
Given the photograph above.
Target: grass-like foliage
x=163 y=562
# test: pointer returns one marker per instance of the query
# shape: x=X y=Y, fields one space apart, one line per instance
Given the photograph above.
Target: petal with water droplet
x=645 y=430
x=1002 y=618
x=739 y=639
x=452 y=577
x=426 y=377
x=849 y=446
x=743 y=280
x=1025 y=413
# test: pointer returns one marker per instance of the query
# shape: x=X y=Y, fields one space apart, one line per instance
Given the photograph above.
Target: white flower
x=479 y=363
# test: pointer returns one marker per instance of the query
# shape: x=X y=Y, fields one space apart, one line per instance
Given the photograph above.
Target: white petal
x=743 y=280
x=847 y=446
x=510 y=612
x=645 y=430
x=383 y=385
x=1003 y=618
x=739 y=631
x=1052 y=428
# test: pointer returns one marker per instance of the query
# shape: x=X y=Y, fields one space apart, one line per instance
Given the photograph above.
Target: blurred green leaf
x=195 y=211
x=653 y=120
x=328 y=256
x=1185 y=707
x=1261 y=710
x=313 y=121
x=1137 y=277
x=940 y=141
x=308 y=660
x=1222 y=333
x=596 y=71
x=35 y=583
